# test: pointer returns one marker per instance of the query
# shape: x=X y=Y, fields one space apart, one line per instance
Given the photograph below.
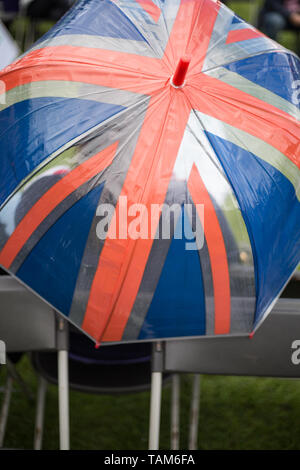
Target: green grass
x=236 y=413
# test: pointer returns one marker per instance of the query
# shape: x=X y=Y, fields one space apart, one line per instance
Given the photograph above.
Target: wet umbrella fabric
x=100 y=127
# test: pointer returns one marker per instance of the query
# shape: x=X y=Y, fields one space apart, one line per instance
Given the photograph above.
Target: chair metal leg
x=2 y=353
x=62 y=337
x=40 y=414
x=63 y=393
x=194 y=414
x=156 y=391
x=5 y=408
x=175 y=412
x=155 y=410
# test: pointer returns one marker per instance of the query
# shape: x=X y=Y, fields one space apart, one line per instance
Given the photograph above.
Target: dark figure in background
x=11 y=5
x=277 y=15
x=10 y=10
x=51 y=10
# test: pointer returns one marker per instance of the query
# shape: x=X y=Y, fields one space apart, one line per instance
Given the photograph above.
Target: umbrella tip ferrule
x=178 y=79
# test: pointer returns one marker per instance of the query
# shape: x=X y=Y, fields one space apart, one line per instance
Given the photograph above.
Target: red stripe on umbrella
x=150 y=8
x=242 y=35
x=217 y=252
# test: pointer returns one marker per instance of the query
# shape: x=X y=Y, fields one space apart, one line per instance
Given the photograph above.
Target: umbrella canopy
x=150 y=181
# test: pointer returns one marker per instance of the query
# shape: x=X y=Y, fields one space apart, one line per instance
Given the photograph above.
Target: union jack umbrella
x=127 y=106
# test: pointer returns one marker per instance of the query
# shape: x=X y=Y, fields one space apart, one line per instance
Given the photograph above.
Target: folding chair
x=268 y=354
x=27 y=324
